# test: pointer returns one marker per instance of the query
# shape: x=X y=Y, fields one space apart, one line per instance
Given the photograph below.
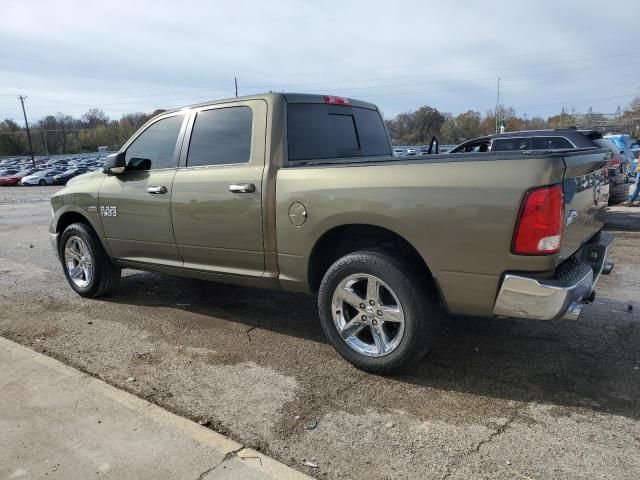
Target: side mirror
x=114 y=163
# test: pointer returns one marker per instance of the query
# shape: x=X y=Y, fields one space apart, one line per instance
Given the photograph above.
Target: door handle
x=157 y=190
x=242 y=188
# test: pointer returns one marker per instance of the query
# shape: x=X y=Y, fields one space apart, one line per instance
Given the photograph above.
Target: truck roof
x=288 y=97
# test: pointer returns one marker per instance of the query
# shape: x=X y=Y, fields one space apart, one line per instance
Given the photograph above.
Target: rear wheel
x=379 y=313
x=88 y=268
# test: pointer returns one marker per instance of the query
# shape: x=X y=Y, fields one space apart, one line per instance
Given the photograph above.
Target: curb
x=237 y=458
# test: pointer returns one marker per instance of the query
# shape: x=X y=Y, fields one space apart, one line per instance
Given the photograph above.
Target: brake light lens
x=540 y=223
x=331 y=100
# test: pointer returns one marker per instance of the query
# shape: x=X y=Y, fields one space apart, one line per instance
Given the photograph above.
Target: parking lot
x=495 y=398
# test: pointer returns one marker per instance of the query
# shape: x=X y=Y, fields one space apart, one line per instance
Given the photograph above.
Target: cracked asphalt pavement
x=495 y=398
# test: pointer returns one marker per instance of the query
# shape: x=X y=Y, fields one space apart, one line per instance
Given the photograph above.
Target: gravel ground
x=495 y=398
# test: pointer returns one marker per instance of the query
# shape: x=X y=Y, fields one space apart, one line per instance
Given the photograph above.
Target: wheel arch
x=74 y=216
x=344 y=239
x=69 y=217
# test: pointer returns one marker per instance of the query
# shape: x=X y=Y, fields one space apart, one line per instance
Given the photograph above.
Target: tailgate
x=586 y=198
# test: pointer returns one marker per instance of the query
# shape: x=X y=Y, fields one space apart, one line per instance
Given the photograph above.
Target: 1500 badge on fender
x=109 y=211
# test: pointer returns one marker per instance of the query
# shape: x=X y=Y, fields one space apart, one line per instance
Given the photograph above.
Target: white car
x=43 y=177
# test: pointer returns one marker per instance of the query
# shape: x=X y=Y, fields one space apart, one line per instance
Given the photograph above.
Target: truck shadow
x=593 y=363
x=622 y=218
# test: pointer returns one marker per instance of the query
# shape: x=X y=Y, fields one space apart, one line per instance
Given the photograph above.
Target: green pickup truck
x=302 y=193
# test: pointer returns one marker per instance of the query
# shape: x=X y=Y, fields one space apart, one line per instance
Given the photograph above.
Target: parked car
x=41 y=177
x=14 y=179
x=617 y=169
x=388 y=243
x=9 y=180
x=64 y=177
x=558 y=139
x=398 y=152
x=411 y=151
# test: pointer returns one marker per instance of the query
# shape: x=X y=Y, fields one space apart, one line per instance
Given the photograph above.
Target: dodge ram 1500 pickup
x=302 y=193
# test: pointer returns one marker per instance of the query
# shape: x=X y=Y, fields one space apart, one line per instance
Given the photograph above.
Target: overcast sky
x=68 y=56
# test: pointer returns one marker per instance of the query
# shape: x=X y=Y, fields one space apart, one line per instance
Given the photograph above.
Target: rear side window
x=155 y=147
x=511 y=144
x=221 y=136
x=550 y=143
x=319 y=131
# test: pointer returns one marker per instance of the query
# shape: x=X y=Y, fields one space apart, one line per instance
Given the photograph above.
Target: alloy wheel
x=368 y=315
x=78 y=261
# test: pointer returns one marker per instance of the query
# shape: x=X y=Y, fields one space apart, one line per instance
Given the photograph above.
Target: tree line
x=61 y=133
x=418 y=127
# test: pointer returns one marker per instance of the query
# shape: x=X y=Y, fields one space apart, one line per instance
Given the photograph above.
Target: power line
x=272 y=86
x=458 y=72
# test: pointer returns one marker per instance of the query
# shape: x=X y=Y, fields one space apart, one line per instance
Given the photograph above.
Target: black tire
x=106 y=275
x=416 y=294
x=42 y=183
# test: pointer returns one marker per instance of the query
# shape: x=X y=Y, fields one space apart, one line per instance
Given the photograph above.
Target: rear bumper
x=562 y=296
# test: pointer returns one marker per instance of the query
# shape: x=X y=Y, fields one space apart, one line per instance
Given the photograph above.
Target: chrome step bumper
x=562 y=296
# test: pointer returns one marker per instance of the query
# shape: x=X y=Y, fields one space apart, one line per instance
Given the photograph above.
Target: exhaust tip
x=574 y=311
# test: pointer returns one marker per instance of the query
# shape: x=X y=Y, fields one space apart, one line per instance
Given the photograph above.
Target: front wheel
x=87 y=267
x=380 y=313
x=42 y=183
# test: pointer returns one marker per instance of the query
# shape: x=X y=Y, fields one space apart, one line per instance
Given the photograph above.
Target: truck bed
x=457 y=210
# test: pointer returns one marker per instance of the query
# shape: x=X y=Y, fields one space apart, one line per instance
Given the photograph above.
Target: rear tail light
x=540 y=223
x=331 y=100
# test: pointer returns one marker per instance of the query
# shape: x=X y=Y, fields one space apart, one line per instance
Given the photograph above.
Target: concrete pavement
x=58 y=422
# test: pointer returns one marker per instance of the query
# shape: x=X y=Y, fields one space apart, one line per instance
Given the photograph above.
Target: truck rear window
x=320 y=131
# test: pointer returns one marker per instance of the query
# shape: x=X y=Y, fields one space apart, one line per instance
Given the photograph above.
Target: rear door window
x=319 y=131
x=221 y=136
x=511 y=144
x=550 y=143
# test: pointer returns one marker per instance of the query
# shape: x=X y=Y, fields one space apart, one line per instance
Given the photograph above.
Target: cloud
x=138 y=56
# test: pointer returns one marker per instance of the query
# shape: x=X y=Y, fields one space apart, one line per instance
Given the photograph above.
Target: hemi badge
x=571 y=217
x=92 y=209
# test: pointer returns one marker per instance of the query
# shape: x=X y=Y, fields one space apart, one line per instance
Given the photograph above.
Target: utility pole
x=525 y=121
x=235 y=80
x=497 y=106
x=33 y=159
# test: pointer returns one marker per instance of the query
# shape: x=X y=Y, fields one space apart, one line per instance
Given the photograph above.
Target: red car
x=14 y=179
